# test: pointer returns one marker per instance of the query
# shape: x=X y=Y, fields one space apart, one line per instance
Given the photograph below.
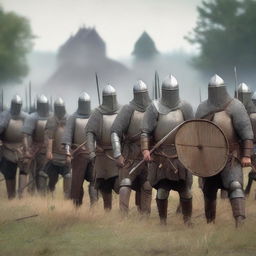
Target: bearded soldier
x=56 y=154
x=98 y=132
x=126 y=129
x=245 y=96
x=230 y=115
x=34 y=146
x=11 y=123
x=74 y=137
x=166 y=172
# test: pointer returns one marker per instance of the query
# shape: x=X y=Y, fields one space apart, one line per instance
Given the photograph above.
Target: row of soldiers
x=102 y=147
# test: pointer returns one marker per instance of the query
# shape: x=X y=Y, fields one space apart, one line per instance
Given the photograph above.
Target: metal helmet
x=59 y=108
x=254 y=98
x=84 y=104
x=109 y=99
x=16 y=105
x=170 y=92
x=217 y=92
x=244 y=93
x=42 y=106
x=141 y=98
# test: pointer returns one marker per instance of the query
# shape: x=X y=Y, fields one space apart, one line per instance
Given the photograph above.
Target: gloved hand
x=120 y=161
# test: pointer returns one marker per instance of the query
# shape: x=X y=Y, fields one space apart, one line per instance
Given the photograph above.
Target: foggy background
x=75 y=39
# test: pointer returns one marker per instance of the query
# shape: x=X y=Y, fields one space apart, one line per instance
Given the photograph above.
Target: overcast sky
x=119 y=22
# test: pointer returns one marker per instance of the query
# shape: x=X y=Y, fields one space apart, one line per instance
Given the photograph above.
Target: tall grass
x=59 y=229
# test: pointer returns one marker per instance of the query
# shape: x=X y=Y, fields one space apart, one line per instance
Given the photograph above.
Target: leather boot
x=124 y=198
x=22 y=184
x=210 y=210
x=67 y=187
x=145 y=199
x=93 y=194
x=162 y=205
x=186 y=207
x=238 y=209
x=223 y=194
x=107 y=200
x=10 y=187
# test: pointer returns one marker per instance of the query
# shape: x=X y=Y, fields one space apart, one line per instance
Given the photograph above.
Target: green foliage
x=15 y=42
x=226 y=34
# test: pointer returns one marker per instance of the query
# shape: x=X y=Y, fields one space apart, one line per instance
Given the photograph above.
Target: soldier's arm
x=148 y=125
x=119 y=128
x=187 y=111
x=243 y=127
x=69 y=131
x=48 y=136
x=92 y=131
x=4 y=120
x=28 y=129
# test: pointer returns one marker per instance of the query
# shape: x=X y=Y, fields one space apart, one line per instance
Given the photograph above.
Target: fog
x=59 y=71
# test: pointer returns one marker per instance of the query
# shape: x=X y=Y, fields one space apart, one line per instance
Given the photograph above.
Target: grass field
x=59 y=229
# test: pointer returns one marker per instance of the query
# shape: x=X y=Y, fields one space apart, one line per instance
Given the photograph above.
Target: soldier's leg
x=186 y=203
x=106 y=191
x=53 y=177
x=237 y=200
x=41 y=174
x=66 y=181
x=79 y=166
x=32 y=180
x=146 y=198
x=162 y=204
x=232 y=178
x=9 y=171
x=93 y=192
x=137 y=200
x=124 y=195
x=210 y=188
x=23 y=179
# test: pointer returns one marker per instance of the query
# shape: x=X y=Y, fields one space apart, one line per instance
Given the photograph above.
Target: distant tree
x=15 y=43
x=226 y=34
x=145 y=47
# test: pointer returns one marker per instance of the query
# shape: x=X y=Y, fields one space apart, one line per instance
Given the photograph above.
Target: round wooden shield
x=202 y=147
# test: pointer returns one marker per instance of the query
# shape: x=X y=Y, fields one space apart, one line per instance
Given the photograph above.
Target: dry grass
x=61 y=230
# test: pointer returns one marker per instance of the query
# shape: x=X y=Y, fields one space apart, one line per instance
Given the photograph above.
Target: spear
x=2 y=99
x=200 y=95
x=98 y=88
x=29 y=96
x=26 y=98
x=236 y=83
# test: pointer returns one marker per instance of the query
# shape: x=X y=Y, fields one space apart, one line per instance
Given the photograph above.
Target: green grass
x=59 y=229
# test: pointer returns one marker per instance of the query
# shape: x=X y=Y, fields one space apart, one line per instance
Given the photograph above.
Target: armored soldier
x=166 y=172
x=126 y=130
x=74 y=138
x=245 y=96
x=98 y=132
x=230 y=115
x=11 y=123
x=34 y=145
x=56 y=154
x=254 y=98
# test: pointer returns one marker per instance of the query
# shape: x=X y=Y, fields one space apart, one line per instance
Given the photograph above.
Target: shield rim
x=227 y=143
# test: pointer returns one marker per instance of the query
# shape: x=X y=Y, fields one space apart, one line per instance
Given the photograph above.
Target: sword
x=157 y=145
